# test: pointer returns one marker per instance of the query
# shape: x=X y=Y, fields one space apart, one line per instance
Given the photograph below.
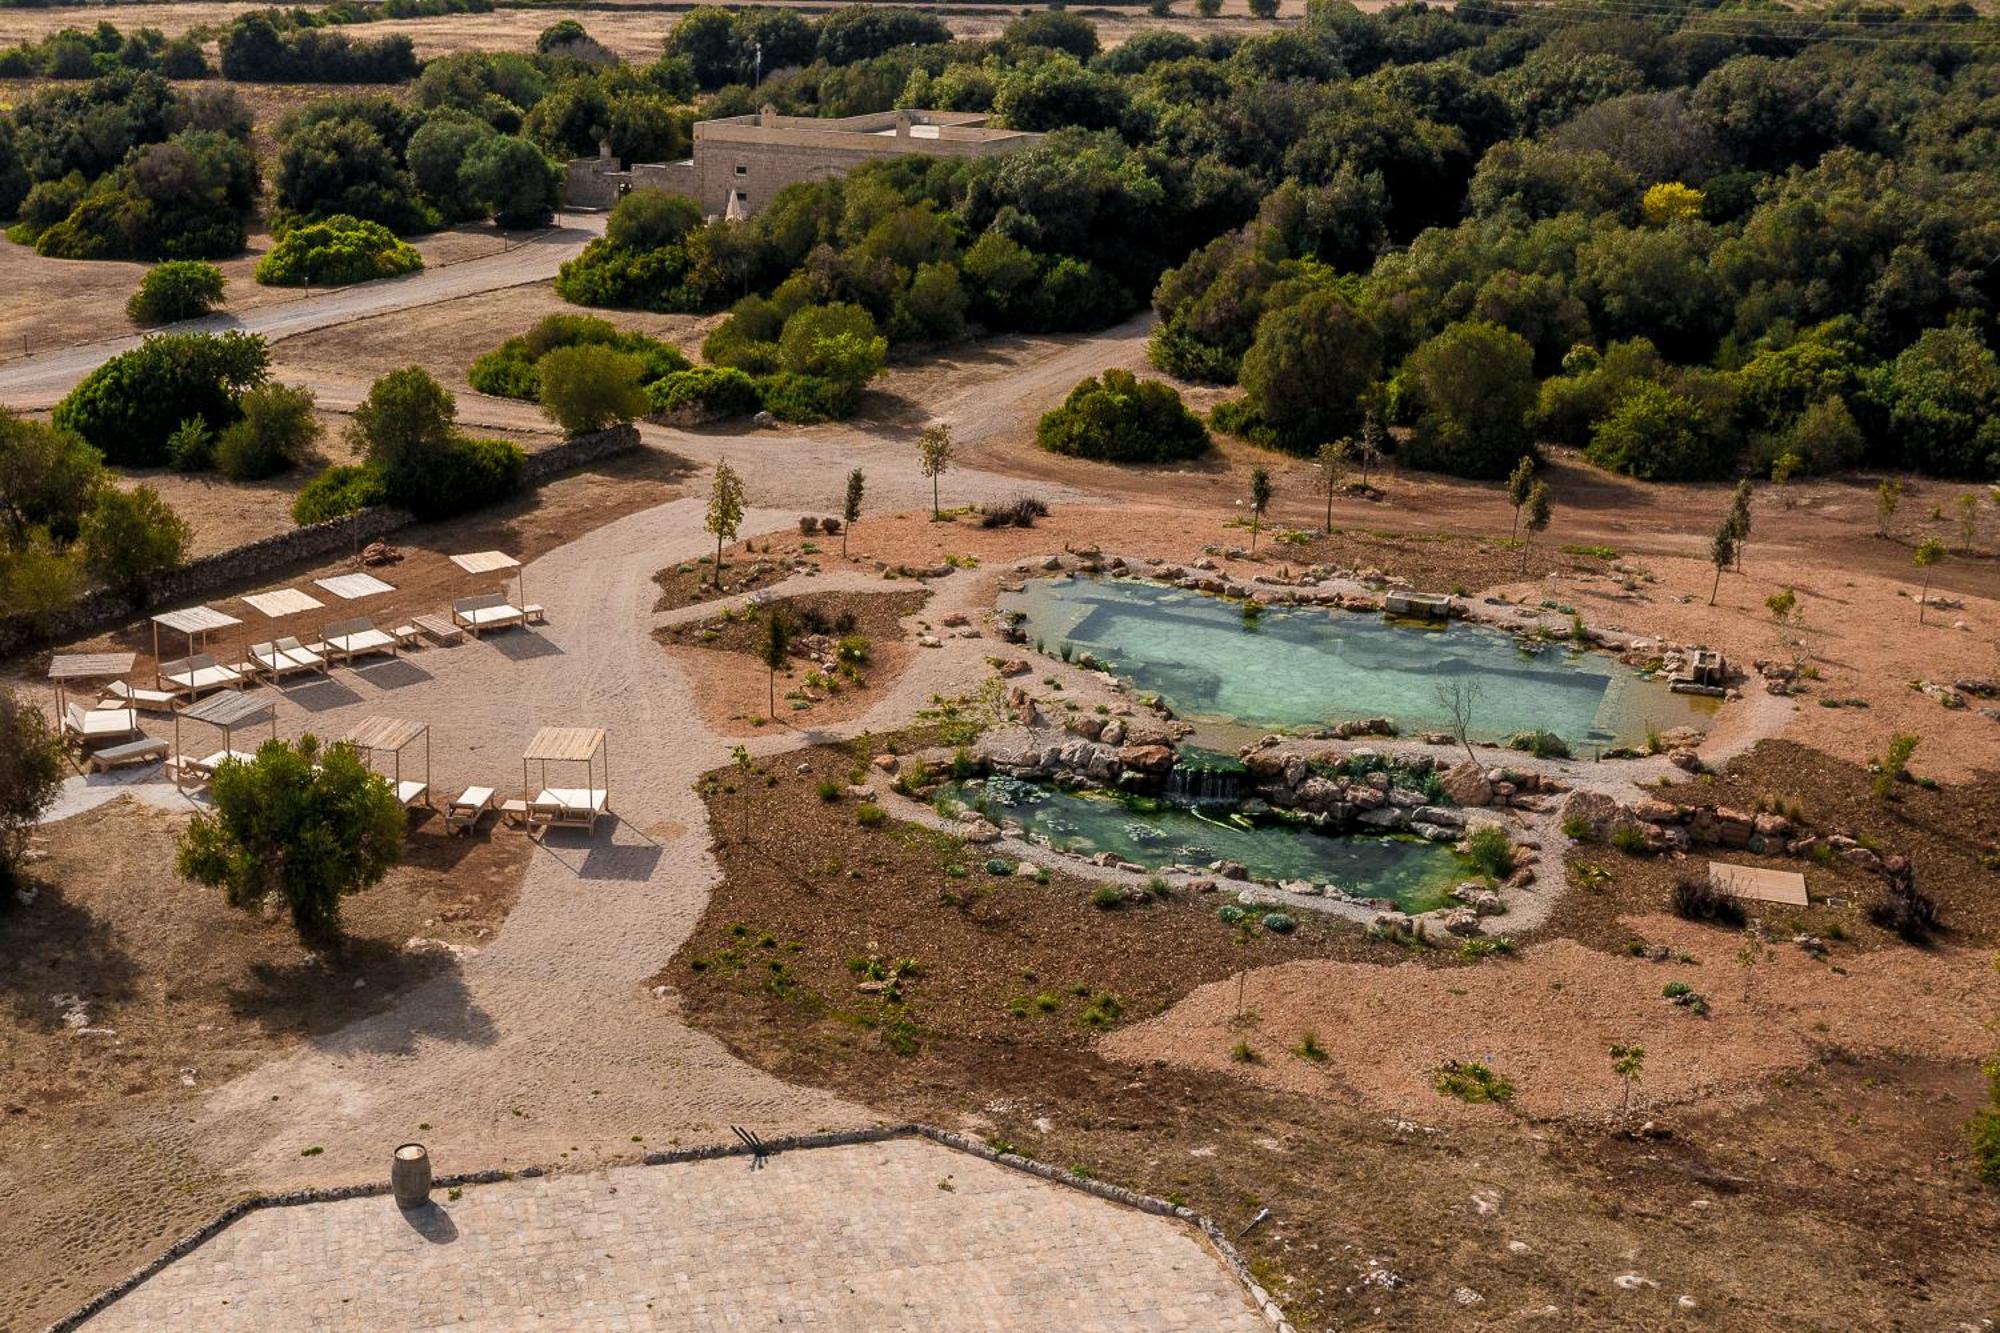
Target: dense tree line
x=74 y=53
x=124 y=167
x=268 y=48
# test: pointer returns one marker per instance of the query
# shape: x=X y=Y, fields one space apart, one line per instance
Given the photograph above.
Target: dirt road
x=37 y=382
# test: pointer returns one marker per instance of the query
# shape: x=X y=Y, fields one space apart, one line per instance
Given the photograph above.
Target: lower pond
x=1415 y=874
x=1296 y=667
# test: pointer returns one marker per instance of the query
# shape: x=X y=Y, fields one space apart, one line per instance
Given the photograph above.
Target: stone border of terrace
x=1218 y=1242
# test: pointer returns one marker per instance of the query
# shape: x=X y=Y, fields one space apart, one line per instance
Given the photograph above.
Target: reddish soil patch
x=845 y=646
x=1838 y=1192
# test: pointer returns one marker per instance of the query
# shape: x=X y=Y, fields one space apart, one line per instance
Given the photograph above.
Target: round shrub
x=130 y=405
x=177 y=289
x=508 y=371
x=805 y=399
x=340 y=250
x=275 y=431
x=468 y=474
x=346 y=489
x=1278 y=923
x=1122 y=419
x=705 y=393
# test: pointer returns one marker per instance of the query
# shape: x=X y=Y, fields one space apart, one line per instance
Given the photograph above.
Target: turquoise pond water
x=1413 y=873
x=1307 y=666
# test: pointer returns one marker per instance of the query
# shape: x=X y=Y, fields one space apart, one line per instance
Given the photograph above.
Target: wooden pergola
x=197 y=622
x=66 y=669
x=280 y=603
x=494 y=562
x=353 y=587
x=226 y=712
x=391 y=736
x=575 y=807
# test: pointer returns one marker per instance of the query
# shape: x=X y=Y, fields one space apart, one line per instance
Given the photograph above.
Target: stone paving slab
x=898 y=1235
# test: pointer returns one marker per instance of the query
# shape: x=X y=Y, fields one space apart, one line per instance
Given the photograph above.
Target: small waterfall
x=1199 y=784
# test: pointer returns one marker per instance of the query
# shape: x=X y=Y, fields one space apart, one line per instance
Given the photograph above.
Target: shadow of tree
x=403 y=995
x=54 y=946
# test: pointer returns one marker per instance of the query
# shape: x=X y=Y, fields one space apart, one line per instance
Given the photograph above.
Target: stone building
x=741 y=162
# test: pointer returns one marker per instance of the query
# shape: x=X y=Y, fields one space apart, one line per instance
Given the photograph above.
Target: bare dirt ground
x=633 y=33
x=125 y=1006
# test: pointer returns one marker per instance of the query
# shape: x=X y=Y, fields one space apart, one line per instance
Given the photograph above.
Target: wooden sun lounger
x=99 y=726
x=187 y=768
x=303 y=656
x=144 y=751
x=200 y=673
x=134 y=696
x=489 y=610
x=464 y=811
x=439 y=628
x=411 y=792
x=355 y=638
x=270 y=660
x=568 y=807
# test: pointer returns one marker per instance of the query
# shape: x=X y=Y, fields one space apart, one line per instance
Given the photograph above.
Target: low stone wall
x=258 y=561
x=1218 y=1241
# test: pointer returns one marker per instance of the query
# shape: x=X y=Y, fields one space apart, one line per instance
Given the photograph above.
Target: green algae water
x=1414 y=874
x=1298 y=667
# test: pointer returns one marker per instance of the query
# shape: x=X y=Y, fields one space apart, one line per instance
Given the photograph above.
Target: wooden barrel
x=410 y=1176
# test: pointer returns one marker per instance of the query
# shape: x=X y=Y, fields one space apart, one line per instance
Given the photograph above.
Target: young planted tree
x=1626 y=1062
x=1894 y=764
x=1332 y=461
x=1739 y=519
x=744 y=772
x=1371 y=444
x=1929 y=551
x=857 y=485
x=1721 y=554
x=1520 y=482
x=725 y=512
x=777 y=646
x=1459 y=699
x=1541 y=508
x=1968 y=520
x=1260 y=500
x=299 y=825
x=1888 y=495
x=934 y=457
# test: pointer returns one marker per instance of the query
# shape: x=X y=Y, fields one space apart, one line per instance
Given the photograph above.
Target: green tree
x=1308 y=367
x=1888 y=496
x=725 y=511
x=1120 y=418
x=130 y=538
x=1894 y=764
x=1519 y=483
x=1332 y=463
x=857 y=485
x=1474 y=385
x=1371 y=445
x=1739 y=518
x=1929 y=551
x=590 y=388
x=302 y=826
x=1721 y=554
x=774 y=649
x=1541 y=507
x=1260 y=500
x=128 y=406
x=836 y=342
x=275 y=432
x=1654 y=434
x=512 y=179
x=49 y=478
x=1626 y=1063
x=175 y=290
x=934 y=458
x=405 y=421
x=32 y=769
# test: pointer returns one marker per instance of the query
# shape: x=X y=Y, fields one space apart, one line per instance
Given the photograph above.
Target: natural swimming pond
x=1415 y=874
x=1308 y=666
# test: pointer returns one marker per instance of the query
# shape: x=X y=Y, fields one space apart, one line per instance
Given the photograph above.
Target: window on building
x=742 y=196
x=742 y=171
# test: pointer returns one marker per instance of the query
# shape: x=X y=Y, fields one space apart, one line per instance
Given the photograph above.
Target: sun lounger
x=197 y=771
x=99 y=726
x=568 y=807
x=411 y=792
x=305 y=657
x=133 y=696
x=350 y=639
x=440 y=629
x=270 y=660
x=464 y=810
x=198 y=674
x=489 y=610
x=143 y=751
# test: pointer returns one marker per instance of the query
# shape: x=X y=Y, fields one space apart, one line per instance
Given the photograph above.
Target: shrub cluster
x=175 y=290
x=704 y=393
x=334 y=252
x=268 y=48
x=76 y=53
x=128 y=407
x=1121 y=419
x=416 y=457
x=508 y=371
